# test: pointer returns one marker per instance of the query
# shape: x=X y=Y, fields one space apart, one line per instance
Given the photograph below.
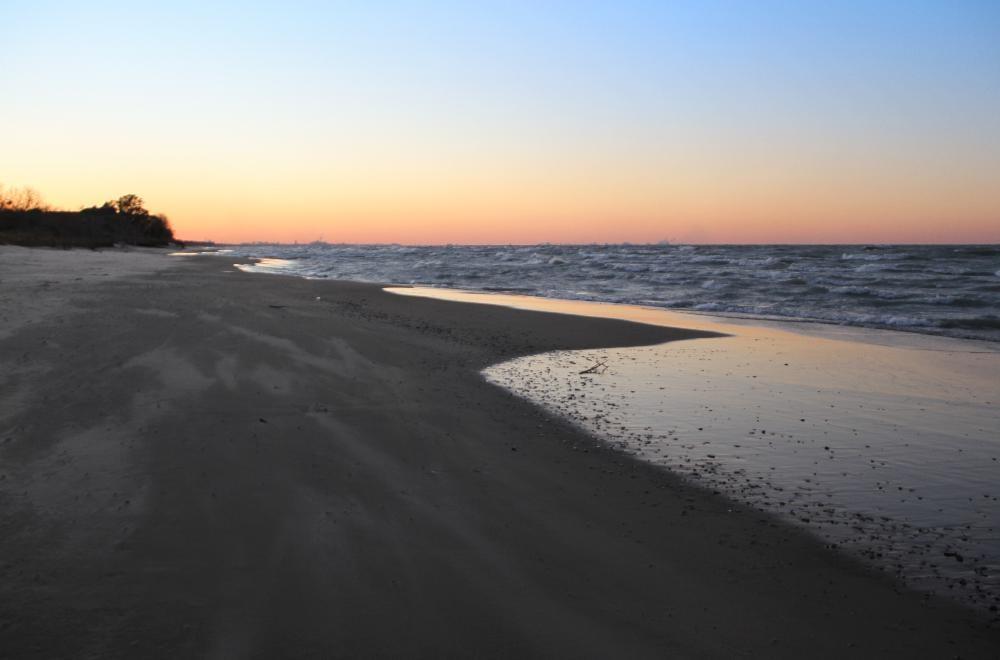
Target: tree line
x=25 y=219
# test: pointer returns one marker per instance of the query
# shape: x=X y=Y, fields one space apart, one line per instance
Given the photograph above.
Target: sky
x=514 y=122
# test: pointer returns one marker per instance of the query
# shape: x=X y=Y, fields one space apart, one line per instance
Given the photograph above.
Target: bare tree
x=21 y=199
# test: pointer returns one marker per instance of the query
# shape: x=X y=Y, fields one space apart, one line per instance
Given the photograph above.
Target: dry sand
x=196 y=461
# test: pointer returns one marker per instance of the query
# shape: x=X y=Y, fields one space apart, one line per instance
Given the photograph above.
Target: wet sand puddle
x=884 y=444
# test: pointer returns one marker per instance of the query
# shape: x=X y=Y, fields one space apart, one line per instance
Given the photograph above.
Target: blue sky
x=619 y=97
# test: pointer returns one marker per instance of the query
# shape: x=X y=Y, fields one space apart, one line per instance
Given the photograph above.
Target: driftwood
x=597 y=368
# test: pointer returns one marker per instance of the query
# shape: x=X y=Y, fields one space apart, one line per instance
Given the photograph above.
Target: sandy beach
x=201 y=462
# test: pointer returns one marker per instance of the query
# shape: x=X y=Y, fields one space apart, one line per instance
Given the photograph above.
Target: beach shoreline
x=878 y=441
x=200 y=461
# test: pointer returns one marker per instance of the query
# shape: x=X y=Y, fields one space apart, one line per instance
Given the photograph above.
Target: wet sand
x=201 y=462
x=881 y=442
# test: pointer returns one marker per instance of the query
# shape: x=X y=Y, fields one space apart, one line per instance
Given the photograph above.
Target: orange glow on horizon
x=391 y=195
x=532 y=214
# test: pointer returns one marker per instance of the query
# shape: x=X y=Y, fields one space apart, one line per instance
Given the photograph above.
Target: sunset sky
x=514 y=122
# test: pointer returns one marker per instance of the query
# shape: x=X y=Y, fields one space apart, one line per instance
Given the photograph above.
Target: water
x=886 y=444
x=883 y=443
x=946 y=289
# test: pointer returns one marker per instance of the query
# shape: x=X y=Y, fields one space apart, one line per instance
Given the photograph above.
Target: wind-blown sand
x=196 y=461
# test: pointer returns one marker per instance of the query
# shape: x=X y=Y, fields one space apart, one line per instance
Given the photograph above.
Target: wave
x=949 y=290
x=886 y=256
x=987 y=322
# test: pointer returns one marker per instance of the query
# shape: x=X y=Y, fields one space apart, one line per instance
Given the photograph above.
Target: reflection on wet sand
x=884 y=443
